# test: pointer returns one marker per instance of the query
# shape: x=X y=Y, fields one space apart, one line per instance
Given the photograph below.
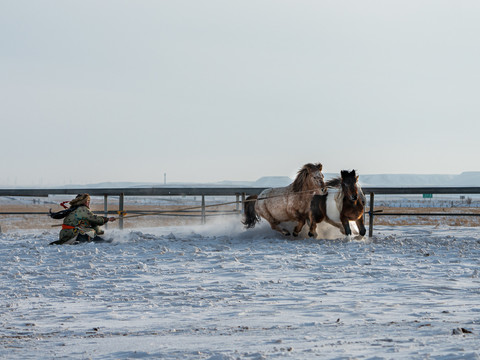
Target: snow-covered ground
x=221 y=292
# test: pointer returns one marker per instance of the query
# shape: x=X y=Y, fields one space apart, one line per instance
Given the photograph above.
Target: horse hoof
x=286 y=233
x=295 y=234
x=347 y=238
x=312 y=235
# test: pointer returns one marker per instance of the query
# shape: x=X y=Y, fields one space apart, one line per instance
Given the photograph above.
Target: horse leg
x=315 y=215
x=274 y=224
x=284 y=231
x=361 y=226
x=312 y=229
x=346 y=226
x=299 y=227
x=314 y=220
x=262 y=209
x=337 y=225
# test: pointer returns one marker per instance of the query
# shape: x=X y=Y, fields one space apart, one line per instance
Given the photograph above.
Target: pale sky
x=207 y=91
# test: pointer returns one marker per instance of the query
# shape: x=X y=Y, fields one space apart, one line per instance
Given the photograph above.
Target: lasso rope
x=213 y=205
x=207 y=206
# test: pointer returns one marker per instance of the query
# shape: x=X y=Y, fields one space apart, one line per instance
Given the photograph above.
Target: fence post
x=204 y=220
x=370 y=215
x=237 y=205
x=120 y=209
x=105 y=208
x=243 y=203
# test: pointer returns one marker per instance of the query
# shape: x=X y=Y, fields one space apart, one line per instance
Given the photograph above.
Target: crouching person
x=79 y=224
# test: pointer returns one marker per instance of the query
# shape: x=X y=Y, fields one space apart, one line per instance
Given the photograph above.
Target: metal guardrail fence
x=154 y=191
x=234 y=191
x=413 y=191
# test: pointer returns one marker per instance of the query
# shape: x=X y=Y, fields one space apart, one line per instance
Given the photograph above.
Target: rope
x=178 y=210
x=212 y=205
x=204 y=206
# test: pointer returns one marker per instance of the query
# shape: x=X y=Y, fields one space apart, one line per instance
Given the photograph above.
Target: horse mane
x=338 y=196
x=302 y=176
x=334 y=183
x=337 y=182
x=362 y=195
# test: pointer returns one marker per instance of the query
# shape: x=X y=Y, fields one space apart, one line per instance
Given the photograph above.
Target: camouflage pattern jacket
x=82 y=221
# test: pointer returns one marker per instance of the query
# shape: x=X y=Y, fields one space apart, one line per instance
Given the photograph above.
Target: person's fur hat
x=81 y=199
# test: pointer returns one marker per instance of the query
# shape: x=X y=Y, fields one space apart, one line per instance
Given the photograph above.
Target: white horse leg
x=337 y=225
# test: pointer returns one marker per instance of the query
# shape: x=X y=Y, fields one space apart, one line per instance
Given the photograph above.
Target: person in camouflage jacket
x=80 y=224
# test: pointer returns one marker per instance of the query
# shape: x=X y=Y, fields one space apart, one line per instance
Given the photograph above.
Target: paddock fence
x=240 y=193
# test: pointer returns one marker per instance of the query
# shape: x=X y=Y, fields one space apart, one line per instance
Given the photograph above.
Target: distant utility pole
x=164 y=178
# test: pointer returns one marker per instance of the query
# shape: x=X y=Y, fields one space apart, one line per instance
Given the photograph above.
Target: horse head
x=310 y=177
x=349 y=184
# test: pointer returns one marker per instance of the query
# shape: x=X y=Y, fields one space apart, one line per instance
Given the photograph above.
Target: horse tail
x=251 y=217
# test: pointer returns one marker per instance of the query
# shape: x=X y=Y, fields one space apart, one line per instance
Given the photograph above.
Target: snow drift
x=221 y=292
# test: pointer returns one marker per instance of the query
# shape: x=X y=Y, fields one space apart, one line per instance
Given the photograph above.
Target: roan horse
x=290 y=203
x=339 y=207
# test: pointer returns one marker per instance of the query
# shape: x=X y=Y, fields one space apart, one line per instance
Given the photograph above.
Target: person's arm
x=95 y=219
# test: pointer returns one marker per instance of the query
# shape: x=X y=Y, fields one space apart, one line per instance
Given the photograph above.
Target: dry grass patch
x=471 y=221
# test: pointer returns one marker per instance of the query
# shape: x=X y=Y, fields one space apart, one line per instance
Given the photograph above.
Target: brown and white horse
x=340 y=206
x=290 y=203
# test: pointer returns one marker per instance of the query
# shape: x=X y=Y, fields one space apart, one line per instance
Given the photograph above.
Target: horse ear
x=319 y=167
x=352 y=173
x=343 y=174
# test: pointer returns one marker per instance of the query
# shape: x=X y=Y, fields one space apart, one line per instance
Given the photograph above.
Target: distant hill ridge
x=470 y=178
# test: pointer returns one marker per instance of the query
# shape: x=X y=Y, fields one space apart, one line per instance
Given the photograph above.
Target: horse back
x=273 y=197
x=280 y=204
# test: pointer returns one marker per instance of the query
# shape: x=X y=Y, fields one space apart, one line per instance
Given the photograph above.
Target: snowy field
x=221 y=292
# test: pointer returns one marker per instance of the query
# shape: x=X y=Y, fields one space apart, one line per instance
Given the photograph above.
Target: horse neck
x=306 y=190
x=311 y=185
x=355 y=205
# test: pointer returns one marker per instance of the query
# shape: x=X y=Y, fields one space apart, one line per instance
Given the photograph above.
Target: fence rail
x=153 y=191
x=233 y=191
x=218 y=191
